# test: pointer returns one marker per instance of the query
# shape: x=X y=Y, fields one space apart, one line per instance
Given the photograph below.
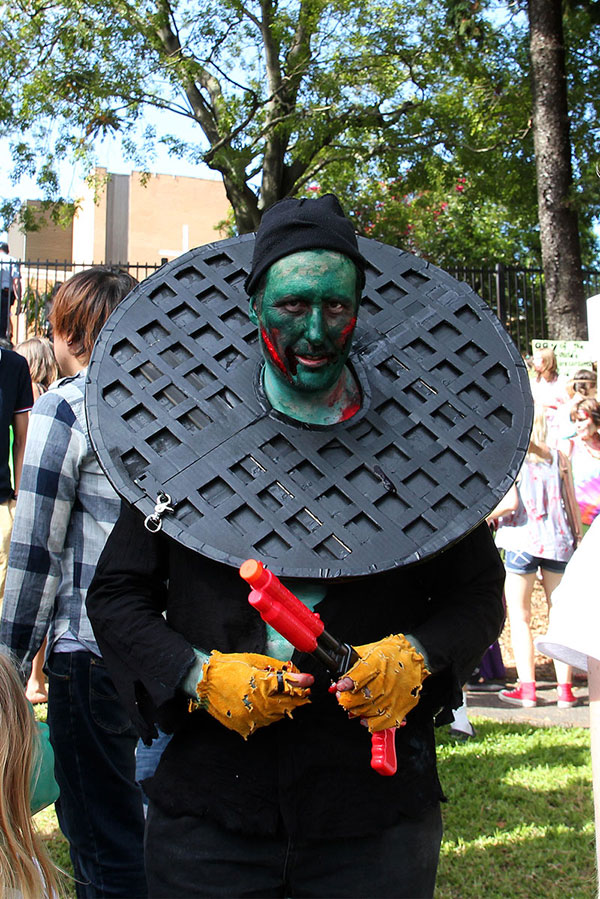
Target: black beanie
x=291 y=226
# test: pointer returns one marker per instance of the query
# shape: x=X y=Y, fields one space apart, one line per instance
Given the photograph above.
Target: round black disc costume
x=184 y=433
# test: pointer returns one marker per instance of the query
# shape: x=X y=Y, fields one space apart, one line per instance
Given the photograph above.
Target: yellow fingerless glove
x=245 y=690
x=387 y=682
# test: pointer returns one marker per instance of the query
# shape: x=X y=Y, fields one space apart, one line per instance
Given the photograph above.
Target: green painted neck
x=325 y=407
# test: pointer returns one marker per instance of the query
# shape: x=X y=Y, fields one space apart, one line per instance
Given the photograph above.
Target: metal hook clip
x=153 y=522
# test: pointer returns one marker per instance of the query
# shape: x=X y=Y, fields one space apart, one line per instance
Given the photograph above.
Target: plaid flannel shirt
x=65 y=511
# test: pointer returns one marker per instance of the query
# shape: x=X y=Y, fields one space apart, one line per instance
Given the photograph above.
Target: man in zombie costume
x=265 y=788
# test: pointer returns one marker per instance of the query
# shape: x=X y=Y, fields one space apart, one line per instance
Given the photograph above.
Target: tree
x=278 y=90
x=559 y=228
x=466 y=193
x=417 y=113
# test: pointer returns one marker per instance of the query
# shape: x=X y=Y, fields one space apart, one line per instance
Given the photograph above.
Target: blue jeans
x=147 y=759
x=100 y=804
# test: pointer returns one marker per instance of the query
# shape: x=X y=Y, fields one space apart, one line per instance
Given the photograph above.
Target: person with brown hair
x=25 y=869
x=65 y=512
x=584 y=384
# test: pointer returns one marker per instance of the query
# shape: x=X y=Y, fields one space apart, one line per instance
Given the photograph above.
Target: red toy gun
x=304 y=629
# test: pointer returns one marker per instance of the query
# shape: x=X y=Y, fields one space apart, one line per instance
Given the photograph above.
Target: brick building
x=130 y=220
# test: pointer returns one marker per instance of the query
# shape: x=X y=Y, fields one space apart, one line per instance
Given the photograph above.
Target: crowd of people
x=75 y=548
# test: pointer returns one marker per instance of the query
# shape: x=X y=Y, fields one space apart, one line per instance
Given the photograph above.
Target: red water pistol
x=305 y=631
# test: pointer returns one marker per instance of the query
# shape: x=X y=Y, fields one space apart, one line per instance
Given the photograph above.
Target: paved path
x=545 y=714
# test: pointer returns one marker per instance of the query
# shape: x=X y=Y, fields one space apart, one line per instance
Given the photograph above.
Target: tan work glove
x=246 y=690
x=387 y=682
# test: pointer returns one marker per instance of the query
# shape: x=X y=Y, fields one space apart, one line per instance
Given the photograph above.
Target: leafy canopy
x=416 y=113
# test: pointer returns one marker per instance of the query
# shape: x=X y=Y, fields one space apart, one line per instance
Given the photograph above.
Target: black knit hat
x=291 y=226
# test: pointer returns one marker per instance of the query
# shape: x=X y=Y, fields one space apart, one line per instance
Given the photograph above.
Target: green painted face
x=306 y=320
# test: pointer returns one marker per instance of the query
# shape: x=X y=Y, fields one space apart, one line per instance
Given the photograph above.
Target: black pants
x=194 y=857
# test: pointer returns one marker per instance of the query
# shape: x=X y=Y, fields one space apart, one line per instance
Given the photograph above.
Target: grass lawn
x=518 y=823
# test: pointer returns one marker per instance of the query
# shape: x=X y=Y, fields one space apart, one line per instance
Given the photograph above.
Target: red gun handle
x=383 y=752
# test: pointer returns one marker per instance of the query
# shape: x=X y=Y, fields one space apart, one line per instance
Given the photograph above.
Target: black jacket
x=311 y=772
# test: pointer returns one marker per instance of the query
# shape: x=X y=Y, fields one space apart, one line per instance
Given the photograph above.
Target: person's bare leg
x=594 y=687
x=517 y=590
x=37 y=689
x=551 y=580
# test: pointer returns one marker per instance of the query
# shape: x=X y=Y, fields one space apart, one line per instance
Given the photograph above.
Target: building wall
x=172 y=214
x=85 y=227
x=117 y=219
x=123 y=220
x=52 y=242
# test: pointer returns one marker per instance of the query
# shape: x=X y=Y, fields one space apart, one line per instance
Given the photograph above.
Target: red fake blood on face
x=273 y=354
x=347 y=330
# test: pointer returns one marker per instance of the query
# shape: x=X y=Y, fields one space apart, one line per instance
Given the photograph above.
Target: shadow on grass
x=534 y=868
x=519 y=818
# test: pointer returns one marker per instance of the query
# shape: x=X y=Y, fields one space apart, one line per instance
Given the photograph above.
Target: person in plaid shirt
x=65 y=511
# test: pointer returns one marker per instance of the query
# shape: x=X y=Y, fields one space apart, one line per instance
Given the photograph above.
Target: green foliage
x=446 y=224
x=36 y=303
x=290 y=95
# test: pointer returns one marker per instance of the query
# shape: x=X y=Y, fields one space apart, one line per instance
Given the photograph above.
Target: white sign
x=593 y=318
x=570 y=354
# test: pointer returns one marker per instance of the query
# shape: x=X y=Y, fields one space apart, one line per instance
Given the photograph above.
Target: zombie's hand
x=245 y=690
x=385 y=683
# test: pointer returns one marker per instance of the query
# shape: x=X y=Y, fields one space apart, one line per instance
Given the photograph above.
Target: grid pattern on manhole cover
x=173 y=405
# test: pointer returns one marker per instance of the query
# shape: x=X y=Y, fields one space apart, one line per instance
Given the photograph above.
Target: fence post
x=501 y=294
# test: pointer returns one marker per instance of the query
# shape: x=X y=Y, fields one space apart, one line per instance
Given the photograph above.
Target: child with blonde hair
x=549 y=392
x=41 y=361
x=26 y=763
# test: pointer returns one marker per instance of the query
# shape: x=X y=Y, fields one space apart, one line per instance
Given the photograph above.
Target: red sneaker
x=522 y=696
x=566 y=700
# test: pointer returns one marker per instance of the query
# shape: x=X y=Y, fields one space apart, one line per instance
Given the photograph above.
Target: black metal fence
x=39 y=282
x=516 y=295
x=518 y=298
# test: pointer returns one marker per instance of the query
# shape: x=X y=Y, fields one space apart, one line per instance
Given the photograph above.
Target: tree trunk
x=559 y=230
x=244 y=204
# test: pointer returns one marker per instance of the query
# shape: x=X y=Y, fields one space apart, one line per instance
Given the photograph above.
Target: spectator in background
x=584 y=384
x=548 y=392
x=10 y=284
x=580 y=387
x=537 y=532
x=42 y=363
x=26 y=872
x=43 y=370
x=65 y=512
x=16 y=399
x=583 y=451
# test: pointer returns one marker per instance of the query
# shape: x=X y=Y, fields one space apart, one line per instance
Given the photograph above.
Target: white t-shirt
x=9 y=270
